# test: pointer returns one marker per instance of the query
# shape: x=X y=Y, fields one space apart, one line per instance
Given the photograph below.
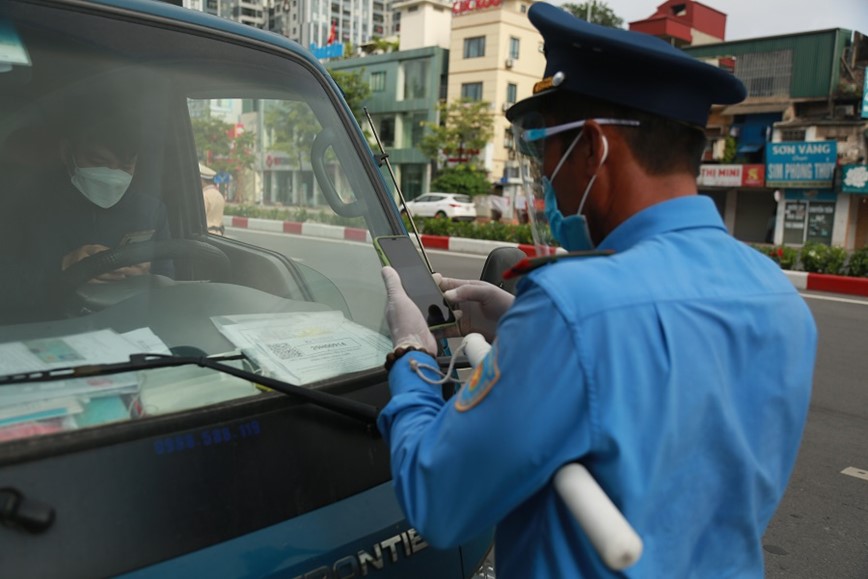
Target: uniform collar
x=688 y=212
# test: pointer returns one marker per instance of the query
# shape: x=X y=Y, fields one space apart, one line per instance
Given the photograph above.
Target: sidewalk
x=804 y=281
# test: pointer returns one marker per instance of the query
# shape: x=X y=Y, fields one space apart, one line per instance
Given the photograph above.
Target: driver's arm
x=90 y=249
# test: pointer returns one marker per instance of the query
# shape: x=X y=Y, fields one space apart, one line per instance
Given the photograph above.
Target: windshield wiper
x=359 y=410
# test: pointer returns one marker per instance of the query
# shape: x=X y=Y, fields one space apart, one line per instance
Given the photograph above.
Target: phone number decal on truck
x=207 y=437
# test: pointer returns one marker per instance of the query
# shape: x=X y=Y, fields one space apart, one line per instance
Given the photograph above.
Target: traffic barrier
x=801 y=280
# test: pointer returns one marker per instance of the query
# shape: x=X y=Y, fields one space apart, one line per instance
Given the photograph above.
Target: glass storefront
x=809 y=217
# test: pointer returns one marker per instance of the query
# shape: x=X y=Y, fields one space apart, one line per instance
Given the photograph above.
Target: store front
x=809 y=216
x=804 y=171
x=854 y=182
x=747 y=207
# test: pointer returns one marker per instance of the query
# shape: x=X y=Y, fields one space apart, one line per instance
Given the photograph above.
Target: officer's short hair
x=660 y=146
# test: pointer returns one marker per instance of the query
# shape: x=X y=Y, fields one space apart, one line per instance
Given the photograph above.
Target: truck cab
x=175 y=401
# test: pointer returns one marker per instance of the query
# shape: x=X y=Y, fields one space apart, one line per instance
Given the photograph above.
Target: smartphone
x=399 y=252
x=136 y=237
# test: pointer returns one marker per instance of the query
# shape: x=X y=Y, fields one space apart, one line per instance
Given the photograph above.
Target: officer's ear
x=594 y=149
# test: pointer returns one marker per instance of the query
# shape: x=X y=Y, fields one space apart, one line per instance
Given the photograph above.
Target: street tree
x=462 y=179
x=226 y=148
x=466 y=127
x=595 y=12
x=355 y=88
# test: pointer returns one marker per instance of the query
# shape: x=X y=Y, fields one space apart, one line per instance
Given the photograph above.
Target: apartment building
x=495 y=55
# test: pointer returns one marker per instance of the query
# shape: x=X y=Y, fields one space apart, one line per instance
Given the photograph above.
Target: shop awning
x=750 y=147
x=756 y=108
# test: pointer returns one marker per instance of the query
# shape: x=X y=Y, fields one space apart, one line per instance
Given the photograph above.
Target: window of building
x=793 y=134
x=511 y=93
x=474 y=47
x=514 y=47
x=472 y=91
x=766 y=73
x=387 y=131
x=377 y=81
x=412 y=179
x=523 y=8
x=413 y=128
x=508 y=142
x=415 y=79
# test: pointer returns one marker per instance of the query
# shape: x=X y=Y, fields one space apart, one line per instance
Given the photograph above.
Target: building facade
x=496 y=55
x=800 y=125
x=406 y=87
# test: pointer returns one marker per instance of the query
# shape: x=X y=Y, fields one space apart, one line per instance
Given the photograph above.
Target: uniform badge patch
x=481 y=381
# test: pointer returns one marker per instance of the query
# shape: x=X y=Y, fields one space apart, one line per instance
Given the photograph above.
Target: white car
x=455 y=206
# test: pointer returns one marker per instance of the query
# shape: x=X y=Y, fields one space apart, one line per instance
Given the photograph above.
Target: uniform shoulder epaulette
x=529 y=264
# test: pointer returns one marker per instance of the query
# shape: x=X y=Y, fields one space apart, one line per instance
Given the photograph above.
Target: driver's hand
x=90 y=249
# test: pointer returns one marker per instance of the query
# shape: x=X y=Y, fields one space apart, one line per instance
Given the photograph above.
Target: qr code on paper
x=285 y=351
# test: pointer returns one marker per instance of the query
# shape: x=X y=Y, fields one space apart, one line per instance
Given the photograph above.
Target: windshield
x=167 y=192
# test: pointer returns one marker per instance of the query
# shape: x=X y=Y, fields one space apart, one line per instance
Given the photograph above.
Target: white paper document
x=98 y=347
x=305 y=347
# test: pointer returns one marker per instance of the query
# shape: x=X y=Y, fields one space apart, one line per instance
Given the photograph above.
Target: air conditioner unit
x=509 y=63
x=505 y=106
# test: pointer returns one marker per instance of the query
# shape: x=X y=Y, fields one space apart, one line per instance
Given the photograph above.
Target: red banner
x=464 y=6
x=732 y=175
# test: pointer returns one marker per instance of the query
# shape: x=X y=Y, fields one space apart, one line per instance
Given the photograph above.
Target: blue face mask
x=571 y=232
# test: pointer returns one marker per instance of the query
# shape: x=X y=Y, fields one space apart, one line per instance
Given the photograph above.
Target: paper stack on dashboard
x=304 y=347
x=44 y=400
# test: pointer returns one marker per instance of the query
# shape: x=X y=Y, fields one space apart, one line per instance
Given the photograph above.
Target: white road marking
x=855 y=472
x=835 y=299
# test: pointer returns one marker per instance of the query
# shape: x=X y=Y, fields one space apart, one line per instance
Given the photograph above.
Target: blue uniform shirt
x=677 y=370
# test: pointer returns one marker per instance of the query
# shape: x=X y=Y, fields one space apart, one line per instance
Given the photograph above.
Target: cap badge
x=548 y=82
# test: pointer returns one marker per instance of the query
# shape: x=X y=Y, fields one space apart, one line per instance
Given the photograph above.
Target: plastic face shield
x=529 y=137
x=529 y=154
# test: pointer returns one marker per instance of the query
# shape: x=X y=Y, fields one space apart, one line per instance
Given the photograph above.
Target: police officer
x=676 y=366
x=214 y=201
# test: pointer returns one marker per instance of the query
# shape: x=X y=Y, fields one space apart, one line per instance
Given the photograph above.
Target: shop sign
x=464 y=6
x=854 y=179
x=801 y=164
x=753 y=176
x=731 y=175
x=329 y=51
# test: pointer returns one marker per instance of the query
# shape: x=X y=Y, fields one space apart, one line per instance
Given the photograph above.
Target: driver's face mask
x=571 y=232
x=103 y=186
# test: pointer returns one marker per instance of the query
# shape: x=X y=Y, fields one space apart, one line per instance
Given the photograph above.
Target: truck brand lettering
x=389 y=544
x=346 y=568
x=416 y=541
x=361 y=564
x=376 y=561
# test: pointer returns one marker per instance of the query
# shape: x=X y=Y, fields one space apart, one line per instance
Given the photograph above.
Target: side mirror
x=499 y=260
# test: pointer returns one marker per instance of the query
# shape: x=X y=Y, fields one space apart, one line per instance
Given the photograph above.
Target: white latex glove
x=406 y=322
x=480 y=304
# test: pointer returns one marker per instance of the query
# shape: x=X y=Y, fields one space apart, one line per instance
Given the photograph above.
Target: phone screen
x=400 y=253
